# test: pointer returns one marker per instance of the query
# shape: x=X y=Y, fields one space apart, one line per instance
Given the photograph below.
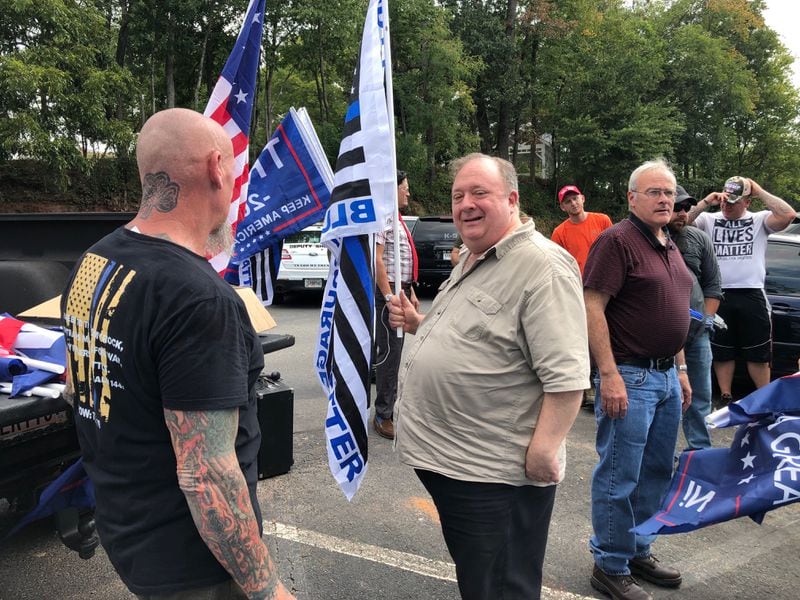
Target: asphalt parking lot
x=386 y=545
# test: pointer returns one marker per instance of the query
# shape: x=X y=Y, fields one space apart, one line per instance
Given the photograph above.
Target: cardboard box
x=259 y=316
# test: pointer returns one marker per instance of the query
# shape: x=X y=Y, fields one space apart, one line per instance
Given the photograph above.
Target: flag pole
x=387 y=53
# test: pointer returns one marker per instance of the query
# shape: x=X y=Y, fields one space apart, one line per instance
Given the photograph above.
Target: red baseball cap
x=568 y=189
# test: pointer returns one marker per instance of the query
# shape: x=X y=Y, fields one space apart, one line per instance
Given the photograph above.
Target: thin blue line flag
x=361 y=202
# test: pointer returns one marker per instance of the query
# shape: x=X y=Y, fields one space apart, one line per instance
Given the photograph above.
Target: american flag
x=361 y=202
x=231 y=105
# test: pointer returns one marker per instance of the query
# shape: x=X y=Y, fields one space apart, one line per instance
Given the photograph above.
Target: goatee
x=220 y=240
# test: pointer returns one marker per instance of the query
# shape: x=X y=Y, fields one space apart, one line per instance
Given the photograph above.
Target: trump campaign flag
x=290 y=186
x=231 y=105
x=758 y=473
x=361 y=202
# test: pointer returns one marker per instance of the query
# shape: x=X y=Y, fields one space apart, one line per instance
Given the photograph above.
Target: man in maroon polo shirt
x=636 y=289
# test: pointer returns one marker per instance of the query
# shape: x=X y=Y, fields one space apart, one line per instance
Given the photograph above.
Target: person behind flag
x=162 y=363
x=388 y=346
x=636 y=288
x=485 y=432
x=698 y=254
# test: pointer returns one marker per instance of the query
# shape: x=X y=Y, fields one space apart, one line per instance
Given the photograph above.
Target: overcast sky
x=784 y=16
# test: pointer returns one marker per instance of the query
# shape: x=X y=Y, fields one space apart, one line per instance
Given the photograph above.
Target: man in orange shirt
x=577 y=233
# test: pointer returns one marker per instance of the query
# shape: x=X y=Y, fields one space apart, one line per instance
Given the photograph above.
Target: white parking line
x=392 y=558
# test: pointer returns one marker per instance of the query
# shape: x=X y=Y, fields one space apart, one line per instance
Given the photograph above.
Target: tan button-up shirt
x=496 y=338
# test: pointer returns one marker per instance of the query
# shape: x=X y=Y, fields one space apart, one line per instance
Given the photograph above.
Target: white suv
x=304 y=262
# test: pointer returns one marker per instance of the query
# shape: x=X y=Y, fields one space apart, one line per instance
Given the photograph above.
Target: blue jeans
x=634 y=468
x=698 y=361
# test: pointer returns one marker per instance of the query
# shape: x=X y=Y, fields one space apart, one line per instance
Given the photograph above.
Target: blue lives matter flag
x=259 y=273
x=290 y=187
x=361 y=201
x=758 y=473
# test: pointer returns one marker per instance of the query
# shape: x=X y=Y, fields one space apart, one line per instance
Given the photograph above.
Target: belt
x=659 y=364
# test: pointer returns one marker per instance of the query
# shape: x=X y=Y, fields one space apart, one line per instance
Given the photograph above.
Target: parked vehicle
x=434 y=238
x=783 y=292
x=37 y=435
x=411 y=223
x=304 y=262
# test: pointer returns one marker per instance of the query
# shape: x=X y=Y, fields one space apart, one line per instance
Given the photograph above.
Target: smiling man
x=485 y=430
x=636 y=288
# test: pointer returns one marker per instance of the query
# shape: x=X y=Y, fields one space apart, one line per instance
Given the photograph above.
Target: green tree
x=731 y=78
x=59 y=84
x=433 y=105
x=602 y=100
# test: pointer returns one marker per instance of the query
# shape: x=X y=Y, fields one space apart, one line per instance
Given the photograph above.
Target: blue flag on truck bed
x=758 y=473
x=72 y=488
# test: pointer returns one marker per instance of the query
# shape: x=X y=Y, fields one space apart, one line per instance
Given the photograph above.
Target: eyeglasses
x=681 y=207
x=655 y=193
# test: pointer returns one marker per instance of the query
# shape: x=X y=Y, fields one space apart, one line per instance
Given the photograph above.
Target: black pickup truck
x=37 y=435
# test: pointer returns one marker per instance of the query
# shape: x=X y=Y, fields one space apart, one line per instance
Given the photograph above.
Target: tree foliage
x=611 y=83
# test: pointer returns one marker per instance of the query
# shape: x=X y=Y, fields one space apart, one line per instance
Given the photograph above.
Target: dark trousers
x=496 y=534
x=388 y=351
x=228 y=590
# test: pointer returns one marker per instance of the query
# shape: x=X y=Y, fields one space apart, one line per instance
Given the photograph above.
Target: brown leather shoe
x=651 y=570
x=619 y=587
x=384 y=427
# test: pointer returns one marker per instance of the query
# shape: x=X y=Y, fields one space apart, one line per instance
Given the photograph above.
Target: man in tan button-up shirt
x=492 y=385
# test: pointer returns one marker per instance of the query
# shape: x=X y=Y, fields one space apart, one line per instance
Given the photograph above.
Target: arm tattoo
x=218 y=497
x=158 y=192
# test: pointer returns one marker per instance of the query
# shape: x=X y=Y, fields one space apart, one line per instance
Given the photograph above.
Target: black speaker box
x=276 y=418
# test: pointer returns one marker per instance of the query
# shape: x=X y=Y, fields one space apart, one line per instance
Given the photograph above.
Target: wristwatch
x=683 y=369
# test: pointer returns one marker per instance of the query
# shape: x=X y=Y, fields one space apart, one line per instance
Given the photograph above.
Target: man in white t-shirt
x=740 y=243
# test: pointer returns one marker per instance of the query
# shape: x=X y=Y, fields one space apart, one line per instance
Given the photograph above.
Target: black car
x=434 y=238
x=783 y=292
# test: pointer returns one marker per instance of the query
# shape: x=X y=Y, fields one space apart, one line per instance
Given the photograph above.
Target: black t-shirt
x=149 y=325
